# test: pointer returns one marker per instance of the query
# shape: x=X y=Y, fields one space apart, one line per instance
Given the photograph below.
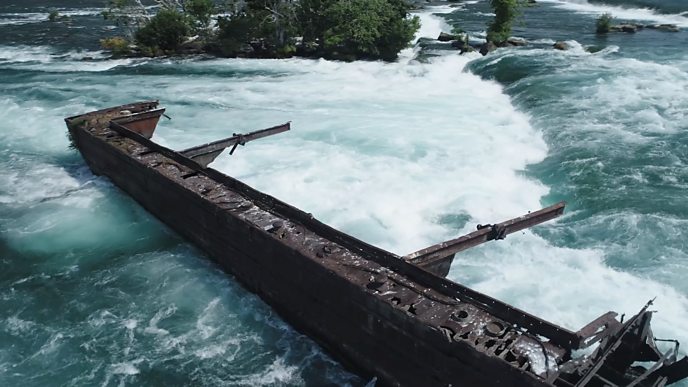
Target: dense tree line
x=336 y=29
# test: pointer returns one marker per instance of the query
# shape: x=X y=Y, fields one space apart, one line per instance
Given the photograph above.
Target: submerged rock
x=627 y=27
x=462 y=46
x=664 y=27
x=594 y=49
x=467 y=48
x=561 y=45
x=458 y=44
x=633 y=27
x=487 y=48
x=516 y=42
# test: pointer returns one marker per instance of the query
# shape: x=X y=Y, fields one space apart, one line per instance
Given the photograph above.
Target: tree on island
x=258 y=28
x=336 y=29
x=604 y=23
x=199 y=15
x=499 y=30
x=358 y=29
x=165 y=31
x=162 y=32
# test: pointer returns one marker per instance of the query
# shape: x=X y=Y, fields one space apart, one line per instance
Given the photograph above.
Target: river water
x=95 y=291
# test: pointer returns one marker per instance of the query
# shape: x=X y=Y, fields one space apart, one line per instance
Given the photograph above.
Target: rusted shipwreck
x=383 y=315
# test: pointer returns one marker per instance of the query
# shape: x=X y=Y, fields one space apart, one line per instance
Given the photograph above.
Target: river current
x=95 y=291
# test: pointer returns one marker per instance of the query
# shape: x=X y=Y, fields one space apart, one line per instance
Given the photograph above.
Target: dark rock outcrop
x=462 y=46
x=634 y=27
x=561 y=45
x=192 y=47
x=518 y=42
x=664 y=27
x=487 y=48
x=466 y=48
x=628 y=27
x=445 y=37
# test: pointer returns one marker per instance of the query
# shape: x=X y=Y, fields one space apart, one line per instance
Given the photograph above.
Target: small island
x=332 y=29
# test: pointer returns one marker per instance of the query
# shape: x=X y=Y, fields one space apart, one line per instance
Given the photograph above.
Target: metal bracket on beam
x=438 y=258
x=206 y=153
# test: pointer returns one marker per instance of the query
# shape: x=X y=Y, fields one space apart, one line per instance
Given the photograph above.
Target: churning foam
x=21 y=18
x=383 y=150
x=431 y=24
x=19 y=54
x=46 y=59
x=631 y=105
x=624 y=13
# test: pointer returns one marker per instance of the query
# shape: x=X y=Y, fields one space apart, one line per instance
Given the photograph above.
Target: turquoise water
x=94 y=291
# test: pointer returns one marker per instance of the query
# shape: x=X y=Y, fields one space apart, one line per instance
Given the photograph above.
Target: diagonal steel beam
x=206 y=153
x=437 y=258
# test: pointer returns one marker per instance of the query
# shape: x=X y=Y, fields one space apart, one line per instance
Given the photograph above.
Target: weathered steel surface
x=438 y=258
x=206 y=153
x=143 y=123
x=372 y=310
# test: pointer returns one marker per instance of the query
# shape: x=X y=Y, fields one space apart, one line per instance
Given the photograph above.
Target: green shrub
x=260 y=28
x=234 y=33
x=397 y=29
x=199 y=13
x=604 y=23
x=117 y=45
x=312 y=18
x=166 y=31
x=286 y=51
x=274 y=21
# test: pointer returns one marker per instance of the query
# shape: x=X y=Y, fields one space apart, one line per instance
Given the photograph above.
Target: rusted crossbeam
x=206 y=153
x=438 y=258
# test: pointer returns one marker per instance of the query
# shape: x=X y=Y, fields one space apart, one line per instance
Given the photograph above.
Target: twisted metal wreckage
x=396 y=318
